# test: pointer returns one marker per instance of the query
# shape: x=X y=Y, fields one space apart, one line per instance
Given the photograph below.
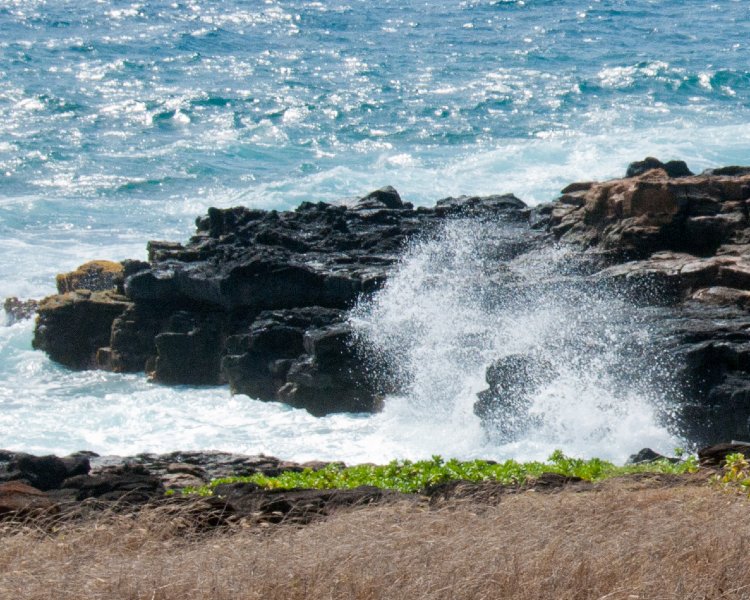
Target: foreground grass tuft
x=409 y=477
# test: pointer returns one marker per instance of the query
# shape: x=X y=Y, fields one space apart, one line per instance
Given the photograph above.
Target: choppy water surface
x=120 y=122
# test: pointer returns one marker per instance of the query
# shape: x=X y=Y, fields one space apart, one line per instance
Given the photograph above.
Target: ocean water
x=121 y=122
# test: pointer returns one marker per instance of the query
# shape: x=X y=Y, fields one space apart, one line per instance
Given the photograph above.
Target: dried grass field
x=625 y=538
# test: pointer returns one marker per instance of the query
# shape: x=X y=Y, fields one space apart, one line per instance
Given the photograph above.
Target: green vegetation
x=408 y=476
x=736 y=474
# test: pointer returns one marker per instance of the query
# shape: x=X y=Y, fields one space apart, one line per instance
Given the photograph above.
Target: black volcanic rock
x=18 y=310
x=128 y=484
x=259 y=357
x=512 y=380
x=318 y=255
x=189 y=348
x=43 y=472
x=259 y=299
x=256 y=299
x=715 y=456
x=386 y=197
x=72 y=327
x=673 y=168
x=298 y=506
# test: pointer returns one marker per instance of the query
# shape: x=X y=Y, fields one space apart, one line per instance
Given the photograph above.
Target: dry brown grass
x=623 y=541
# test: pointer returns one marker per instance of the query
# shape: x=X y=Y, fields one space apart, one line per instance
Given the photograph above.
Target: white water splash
x=462 y=300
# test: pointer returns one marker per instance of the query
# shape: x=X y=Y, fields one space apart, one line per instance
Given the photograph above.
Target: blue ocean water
x=121 y=122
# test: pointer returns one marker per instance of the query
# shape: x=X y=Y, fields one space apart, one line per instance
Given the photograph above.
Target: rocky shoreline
x=85 y=484
x=259 y=300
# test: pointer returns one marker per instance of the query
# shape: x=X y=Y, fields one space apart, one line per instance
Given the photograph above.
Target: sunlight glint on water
x=120 y=124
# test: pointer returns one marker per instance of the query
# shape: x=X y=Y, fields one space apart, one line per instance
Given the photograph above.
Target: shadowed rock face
x=256 y=299
x=512 y=380
x=72 y=327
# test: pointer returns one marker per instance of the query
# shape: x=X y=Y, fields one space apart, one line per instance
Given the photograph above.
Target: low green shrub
x=735 y=474
x=408 y=476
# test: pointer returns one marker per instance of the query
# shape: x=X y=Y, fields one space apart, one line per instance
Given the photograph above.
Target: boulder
x=512 y=380
x=715 y=455
x=45 y=472
x=647 y=455
x=19 y=500
x=482 y=206
x=386 y=197
x=673 y=168
x=72 y=327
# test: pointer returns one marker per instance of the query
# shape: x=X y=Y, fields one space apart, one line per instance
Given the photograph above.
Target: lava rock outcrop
x=680 y=241
x=259 y=299
x=256 y=299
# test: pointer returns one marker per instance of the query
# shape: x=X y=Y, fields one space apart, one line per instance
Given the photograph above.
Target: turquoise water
x=121 y=122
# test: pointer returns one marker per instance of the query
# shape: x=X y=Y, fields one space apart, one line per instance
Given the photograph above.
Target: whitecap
x=181 y=118
x=30 y=104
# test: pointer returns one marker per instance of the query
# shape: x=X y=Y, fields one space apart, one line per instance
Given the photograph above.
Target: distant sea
x=121 y=122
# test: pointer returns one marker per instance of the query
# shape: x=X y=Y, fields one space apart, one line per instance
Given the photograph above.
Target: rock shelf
x=259 y=300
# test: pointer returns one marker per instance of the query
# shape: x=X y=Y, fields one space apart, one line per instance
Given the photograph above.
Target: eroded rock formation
x=259 y=299
x=256 y=299
x=17 y=310
x=681 y=242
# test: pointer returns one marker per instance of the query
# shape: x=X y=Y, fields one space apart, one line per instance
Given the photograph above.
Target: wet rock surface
x=255 y=299
x=259 y=300
x=679 y=244
x=512 y=380
x=73 y=328
x=17 y=309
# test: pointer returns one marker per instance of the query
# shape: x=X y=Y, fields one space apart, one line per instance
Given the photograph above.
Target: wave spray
x=571 y=363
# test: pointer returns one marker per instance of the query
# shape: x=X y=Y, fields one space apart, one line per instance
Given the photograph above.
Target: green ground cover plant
x=735 y=475
x=414 y=476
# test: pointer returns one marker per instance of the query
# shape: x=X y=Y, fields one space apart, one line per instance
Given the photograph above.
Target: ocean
x=121 y=122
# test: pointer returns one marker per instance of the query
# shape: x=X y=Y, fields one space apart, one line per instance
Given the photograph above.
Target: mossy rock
x=95 y=276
